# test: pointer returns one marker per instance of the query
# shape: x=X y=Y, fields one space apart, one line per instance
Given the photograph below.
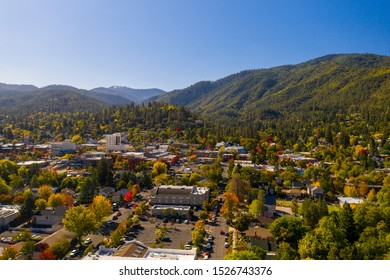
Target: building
x=179 y=195
x=8 y=213
x=40 y=163
x=49 y=216
x=315 y=192
x=93 y=158
x=62 y=148
x=261 y=237
x=170 y=210
x=270 y=205
x=349 y=200
x=135 y=249
x=114 y=143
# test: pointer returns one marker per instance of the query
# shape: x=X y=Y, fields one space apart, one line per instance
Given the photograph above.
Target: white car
x=74 y=253
x=87 y=241
x=226 y=245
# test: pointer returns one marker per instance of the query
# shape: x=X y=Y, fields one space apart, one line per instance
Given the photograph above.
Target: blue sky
x=172 y=44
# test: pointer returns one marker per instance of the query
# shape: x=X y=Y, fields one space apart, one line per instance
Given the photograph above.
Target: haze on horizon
x=173 y=44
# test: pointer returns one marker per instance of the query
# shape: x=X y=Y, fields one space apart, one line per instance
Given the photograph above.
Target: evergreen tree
x=347 y=223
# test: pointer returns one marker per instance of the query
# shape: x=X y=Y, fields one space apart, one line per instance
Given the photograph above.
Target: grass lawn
x=288 y=203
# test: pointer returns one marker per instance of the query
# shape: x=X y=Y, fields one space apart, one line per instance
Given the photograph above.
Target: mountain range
x=317 y=90
x=112 y=95
x=320 y=87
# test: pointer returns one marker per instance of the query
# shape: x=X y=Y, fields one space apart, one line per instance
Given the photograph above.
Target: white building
x=62 y=148
x=114 y=143
x=137 y=250
x=8 y=213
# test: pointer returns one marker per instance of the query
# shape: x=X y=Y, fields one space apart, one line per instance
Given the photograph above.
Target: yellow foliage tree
x=44 y=192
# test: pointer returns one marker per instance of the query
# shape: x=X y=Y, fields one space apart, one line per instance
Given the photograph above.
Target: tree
x=230 y=205
x=161 y=179
x=103 y=172
x=4 y=188
x=288 y=229
x=8 y=253
x=383 y=196
x=160 y=233
x=239 y=187
x=47 y=255
x=242 y=222
x=28 y=248
x=198 y=234
x=159 y=168
x=34 y=182
x=347 y=223
x=322 y=207
x=286 y=252
x=128 y=196
x=310 y=213
x=251 y=254
x=88 y=188
x=371 y=195
x=295 y=206
x=325 y=242
x=81 y=221
x=44 y=192
x=255 y=208
x=16 y=181
x=101 y=207
x=194 y=178
x=56 y=199
x=60 y=248
x=136 y=189
x=40 y=204
x=27 y=206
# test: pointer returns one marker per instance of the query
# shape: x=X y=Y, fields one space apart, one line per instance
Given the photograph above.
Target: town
x=102 y=199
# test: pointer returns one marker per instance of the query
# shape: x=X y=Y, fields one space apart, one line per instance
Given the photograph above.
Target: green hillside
x=49 y=101
x=317 y=91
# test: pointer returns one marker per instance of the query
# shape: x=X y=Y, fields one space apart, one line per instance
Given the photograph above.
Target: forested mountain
x=144 y=123
x=134 y=95
x=323 y=90
x=47 y=101
x=18 y=88
x=115 y=95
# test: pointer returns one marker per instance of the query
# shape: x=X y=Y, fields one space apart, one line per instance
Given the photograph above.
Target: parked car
x=118 y=213
x=226 y=245
x=87 y=241
x=115 y=218
x=74 y=253
x=222 y=232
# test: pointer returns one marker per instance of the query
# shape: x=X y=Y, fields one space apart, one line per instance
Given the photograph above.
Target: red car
x=222 y=232
x=118 y=214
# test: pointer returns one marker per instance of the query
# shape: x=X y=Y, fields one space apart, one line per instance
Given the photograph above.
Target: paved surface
x=218 y=250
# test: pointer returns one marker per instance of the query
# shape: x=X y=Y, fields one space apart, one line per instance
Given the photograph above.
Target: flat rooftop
x=175 y=207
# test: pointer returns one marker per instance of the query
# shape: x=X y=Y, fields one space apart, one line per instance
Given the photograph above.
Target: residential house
x=315 y=192
x=49 y=216
x=107 y=191
x=270 y=204
x=261 y=237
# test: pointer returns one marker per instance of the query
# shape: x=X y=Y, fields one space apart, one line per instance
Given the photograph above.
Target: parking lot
x=177 y=235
